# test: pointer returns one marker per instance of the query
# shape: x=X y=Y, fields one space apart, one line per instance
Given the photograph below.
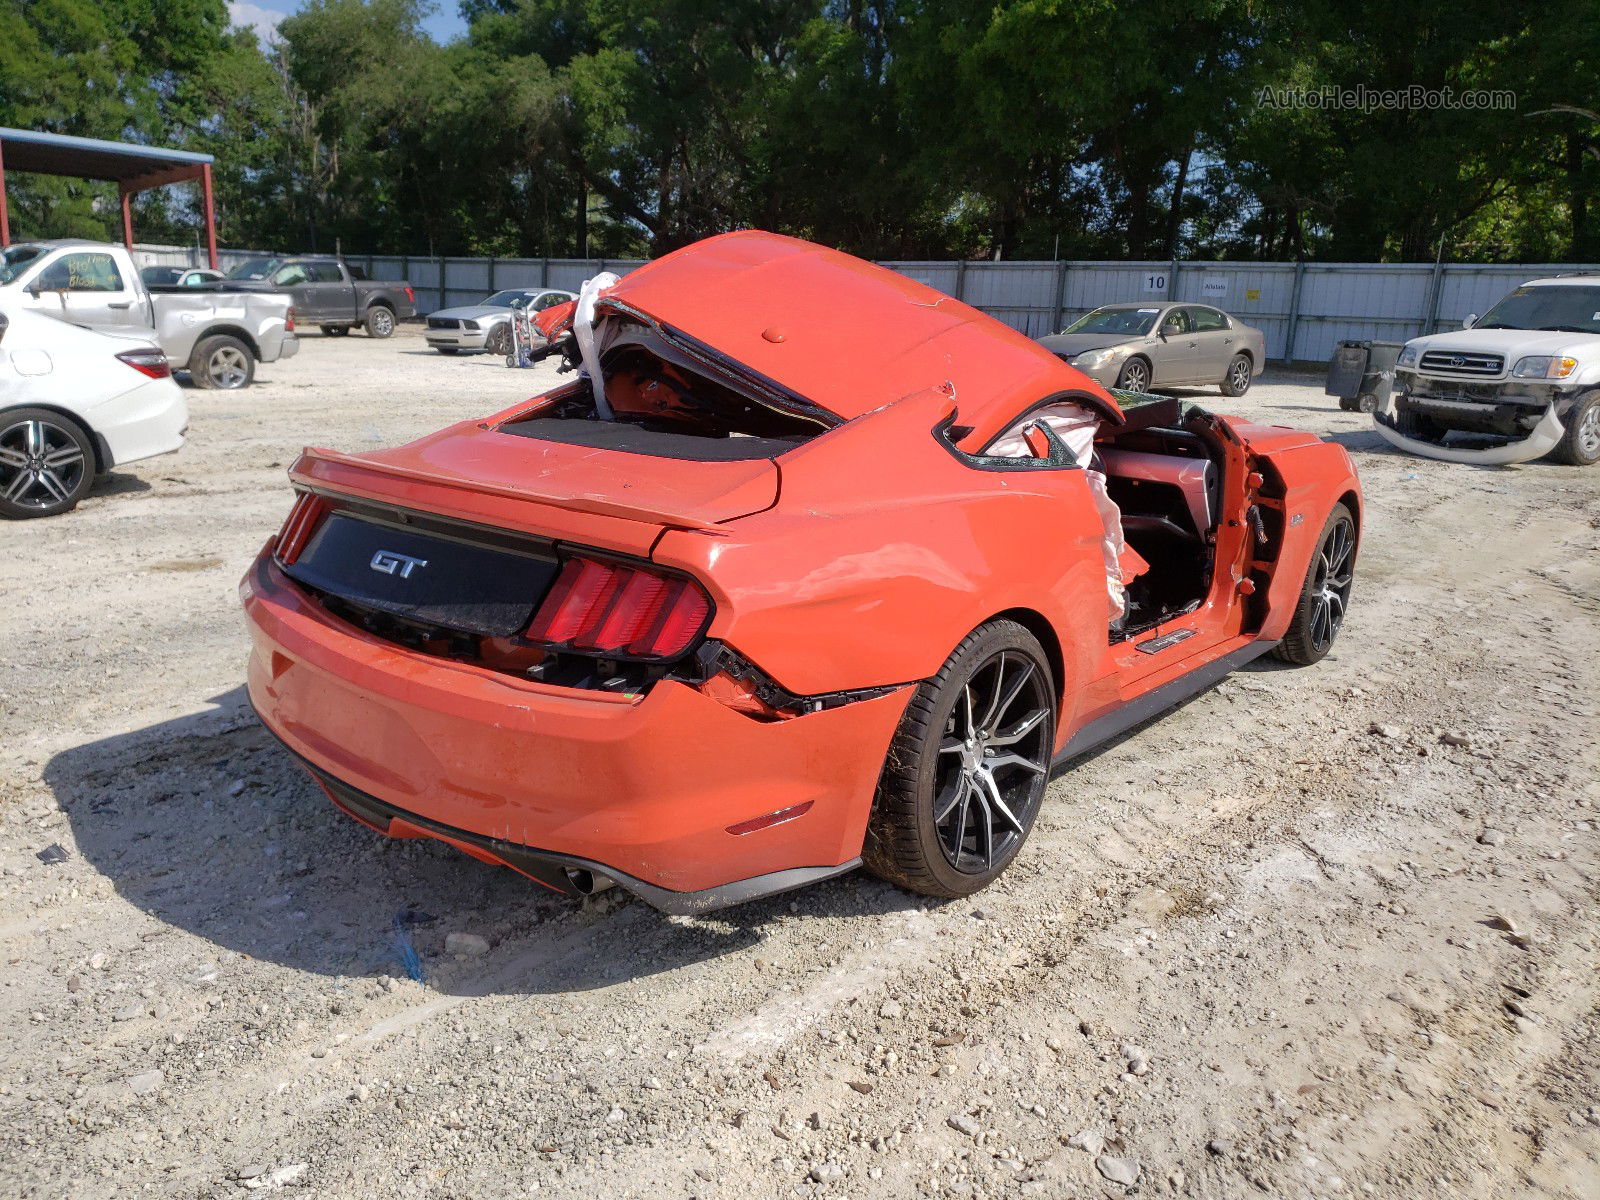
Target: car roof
x=843 y=333
x=1563 y=280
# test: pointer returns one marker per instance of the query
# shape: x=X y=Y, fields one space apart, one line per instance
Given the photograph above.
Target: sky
x=263 y=16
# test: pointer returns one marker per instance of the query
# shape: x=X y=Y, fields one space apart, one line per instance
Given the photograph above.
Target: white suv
x=1521 y=382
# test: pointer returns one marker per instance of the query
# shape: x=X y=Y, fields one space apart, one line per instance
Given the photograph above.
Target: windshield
x=1130 y=321
x=255 y=268
x=15 y=260
x=511 y=299
x=1558 y=307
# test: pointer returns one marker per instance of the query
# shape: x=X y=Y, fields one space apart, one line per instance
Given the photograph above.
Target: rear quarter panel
x=885 y=550
x=182 y=318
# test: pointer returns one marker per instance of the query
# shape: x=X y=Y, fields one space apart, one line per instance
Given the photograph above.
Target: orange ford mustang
x=807 y=567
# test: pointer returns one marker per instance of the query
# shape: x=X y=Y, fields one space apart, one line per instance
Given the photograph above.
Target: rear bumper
x=141 y=423
x=542 y=779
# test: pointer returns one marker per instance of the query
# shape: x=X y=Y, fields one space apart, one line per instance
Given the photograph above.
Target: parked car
x=813 y=567
x=1519 y=383
x=218 y=336
x=75 y=403
x=155 y=277
x=487 y=325
x=330 y=294
x=1140 y=346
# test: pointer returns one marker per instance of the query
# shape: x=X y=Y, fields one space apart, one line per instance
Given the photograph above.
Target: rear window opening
x=670 y=401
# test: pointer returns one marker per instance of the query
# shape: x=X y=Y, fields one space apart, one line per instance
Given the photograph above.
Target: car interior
x=1162 y=483
x=1165 y=477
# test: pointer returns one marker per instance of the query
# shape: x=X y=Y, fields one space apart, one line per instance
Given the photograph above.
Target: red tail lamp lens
x=288 y=320
x=610 y=608
x=303 y=519
x=147 y=362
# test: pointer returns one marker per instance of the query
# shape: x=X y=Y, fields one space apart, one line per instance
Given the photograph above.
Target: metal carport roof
x=133 y=168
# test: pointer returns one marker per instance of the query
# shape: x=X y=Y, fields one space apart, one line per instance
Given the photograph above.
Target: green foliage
x=892 y=128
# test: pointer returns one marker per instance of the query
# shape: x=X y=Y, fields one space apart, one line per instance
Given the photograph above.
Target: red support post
x=127 y=220
x=211 y=214
x=5 y=217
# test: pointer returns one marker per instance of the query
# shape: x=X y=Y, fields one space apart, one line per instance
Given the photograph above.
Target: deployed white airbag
x=591 y=347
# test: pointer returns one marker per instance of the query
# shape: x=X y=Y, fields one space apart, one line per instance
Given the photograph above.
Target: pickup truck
x=219 y=336
x=1518 y=383
x=329 y=294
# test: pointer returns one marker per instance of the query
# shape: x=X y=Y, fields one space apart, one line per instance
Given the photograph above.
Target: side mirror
x=34 y=290
x=1472 y=319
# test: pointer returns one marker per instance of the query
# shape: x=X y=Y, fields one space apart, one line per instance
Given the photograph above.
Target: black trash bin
x=1361 y=374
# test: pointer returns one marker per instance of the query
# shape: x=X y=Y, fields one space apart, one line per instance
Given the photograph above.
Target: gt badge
x=387 y=562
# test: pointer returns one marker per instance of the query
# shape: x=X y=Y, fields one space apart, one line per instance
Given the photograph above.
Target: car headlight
x=1544 y=366
x=1408 y=357
x=1093 y=360
x=469 y=324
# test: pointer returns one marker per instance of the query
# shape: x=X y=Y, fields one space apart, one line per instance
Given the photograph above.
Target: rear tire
x=222 y=362
x=1580 y=445
x=1319 y=612
x=47 y=464
x=380 y=321
x=1240 y=374
x=967 y=769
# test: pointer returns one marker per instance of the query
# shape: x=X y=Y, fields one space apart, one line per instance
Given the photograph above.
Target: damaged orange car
x=806 y=567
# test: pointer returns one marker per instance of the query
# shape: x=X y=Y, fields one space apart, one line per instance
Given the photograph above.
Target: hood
x=1512 y=343
x=840 y=333
x=471 y=312
x=1069 y=344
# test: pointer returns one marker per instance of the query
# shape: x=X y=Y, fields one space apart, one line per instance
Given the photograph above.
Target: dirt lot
x=1320 y=932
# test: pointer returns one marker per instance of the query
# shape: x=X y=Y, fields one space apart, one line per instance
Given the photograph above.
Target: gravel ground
x=1318 y=932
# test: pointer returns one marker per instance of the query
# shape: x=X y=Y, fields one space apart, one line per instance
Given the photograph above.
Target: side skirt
x=1152 y=704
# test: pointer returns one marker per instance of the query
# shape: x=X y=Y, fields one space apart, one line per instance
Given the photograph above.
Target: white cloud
x=244 y=15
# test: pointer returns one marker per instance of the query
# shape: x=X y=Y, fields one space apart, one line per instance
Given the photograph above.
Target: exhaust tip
x=588 y=883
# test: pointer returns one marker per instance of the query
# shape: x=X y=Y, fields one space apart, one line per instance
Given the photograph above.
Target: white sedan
x=75 y=403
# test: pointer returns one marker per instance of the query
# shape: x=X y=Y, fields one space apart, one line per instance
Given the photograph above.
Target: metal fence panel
x=1305 y=309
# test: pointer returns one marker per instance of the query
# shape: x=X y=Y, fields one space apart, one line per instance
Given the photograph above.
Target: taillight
x=302 y=523
x=411 y=297
x=288 y=320
x=612 y=608
x=147 y=362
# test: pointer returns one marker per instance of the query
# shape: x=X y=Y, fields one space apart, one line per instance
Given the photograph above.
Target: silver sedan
x=1141 y=346
x=487 y=326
